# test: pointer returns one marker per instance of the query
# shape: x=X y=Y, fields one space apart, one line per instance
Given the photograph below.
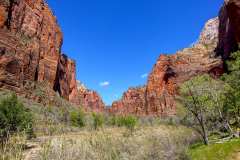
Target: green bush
x=14 y=117
x=98 y=120
x=113 y=120
x=77 y=118
x=129 y=122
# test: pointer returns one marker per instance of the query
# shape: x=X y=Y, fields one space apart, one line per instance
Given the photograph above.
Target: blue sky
x=115 y=43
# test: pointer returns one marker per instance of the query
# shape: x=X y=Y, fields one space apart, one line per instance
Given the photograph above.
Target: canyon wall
x=30 y=49
x=132 y=102
x=30 y=42
x=218 y=39
x=88 y=99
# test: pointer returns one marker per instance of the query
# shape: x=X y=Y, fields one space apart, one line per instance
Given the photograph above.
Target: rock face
x=30 y=49
x=229 y=30
x=65 y=82
x=88 y=99
x=30 y=42
x=218 y=39
x=133 y=102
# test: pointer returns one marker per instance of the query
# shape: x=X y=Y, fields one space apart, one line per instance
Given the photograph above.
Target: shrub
x=113 y=120
x=14 y=117
x=77 y=118
x=98 y=120
x=64 y=114
x=130 y=122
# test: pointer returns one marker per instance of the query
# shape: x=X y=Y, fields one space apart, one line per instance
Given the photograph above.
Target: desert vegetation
x=162 y=142
x=14 y=118
x=70 y=134
x=212 y=107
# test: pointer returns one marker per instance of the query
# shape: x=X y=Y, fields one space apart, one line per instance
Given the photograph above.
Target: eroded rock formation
x=133 y=102
x=218 y=39
x=30 y=49
x=88 y=99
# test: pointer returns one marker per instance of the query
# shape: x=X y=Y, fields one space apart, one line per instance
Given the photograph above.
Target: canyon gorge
x=30 y=51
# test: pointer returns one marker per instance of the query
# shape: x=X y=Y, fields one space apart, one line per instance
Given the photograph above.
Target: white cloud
x=144 y=75
x=104 y=84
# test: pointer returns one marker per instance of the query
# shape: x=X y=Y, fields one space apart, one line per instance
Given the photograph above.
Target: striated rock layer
x=132 y=102
x=218 y=39
x=90 y=100
x=30 y=42
x=30 y=49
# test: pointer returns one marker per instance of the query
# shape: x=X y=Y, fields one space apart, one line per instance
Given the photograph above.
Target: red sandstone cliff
x=132 y=102
x=30 y=50
x=88 y=99
x=218 y=39
x=30 y=43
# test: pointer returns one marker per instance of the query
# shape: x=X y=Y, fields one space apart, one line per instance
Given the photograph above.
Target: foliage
x=203 y=97
x=14 y=117
x=113 y=120
x=98 y=120
x=221 y=151
x=129 y=122
x=77 y=118
x=232 y=102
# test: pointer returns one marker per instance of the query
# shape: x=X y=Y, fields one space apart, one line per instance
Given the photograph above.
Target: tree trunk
x=205 y=138
x=204 y=133
x=229 y=128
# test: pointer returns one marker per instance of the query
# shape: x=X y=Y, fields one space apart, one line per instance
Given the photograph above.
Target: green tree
x=98 y=120
x=130 y=123
x=232 y=103
x=14 y=117
x=77 y=118
x=204 y=98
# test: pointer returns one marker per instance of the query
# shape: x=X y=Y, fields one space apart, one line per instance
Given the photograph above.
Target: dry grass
x=161 y=142
x=148 y=143
x=57 y=140
x=14 y=148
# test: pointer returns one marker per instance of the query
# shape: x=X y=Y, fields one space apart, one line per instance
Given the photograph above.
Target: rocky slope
x=30 y=49
x=218 y=39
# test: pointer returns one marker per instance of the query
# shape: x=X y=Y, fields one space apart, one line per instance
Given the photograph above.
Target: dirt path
x=33 y=148
x=236 y=156
x=32 y=151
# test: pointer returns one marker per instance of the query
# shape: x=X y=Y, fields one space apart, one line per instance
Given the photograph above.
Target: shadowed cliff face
x=30 y=49
x=229 y=30
x=218 y=39
x=31 y=38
